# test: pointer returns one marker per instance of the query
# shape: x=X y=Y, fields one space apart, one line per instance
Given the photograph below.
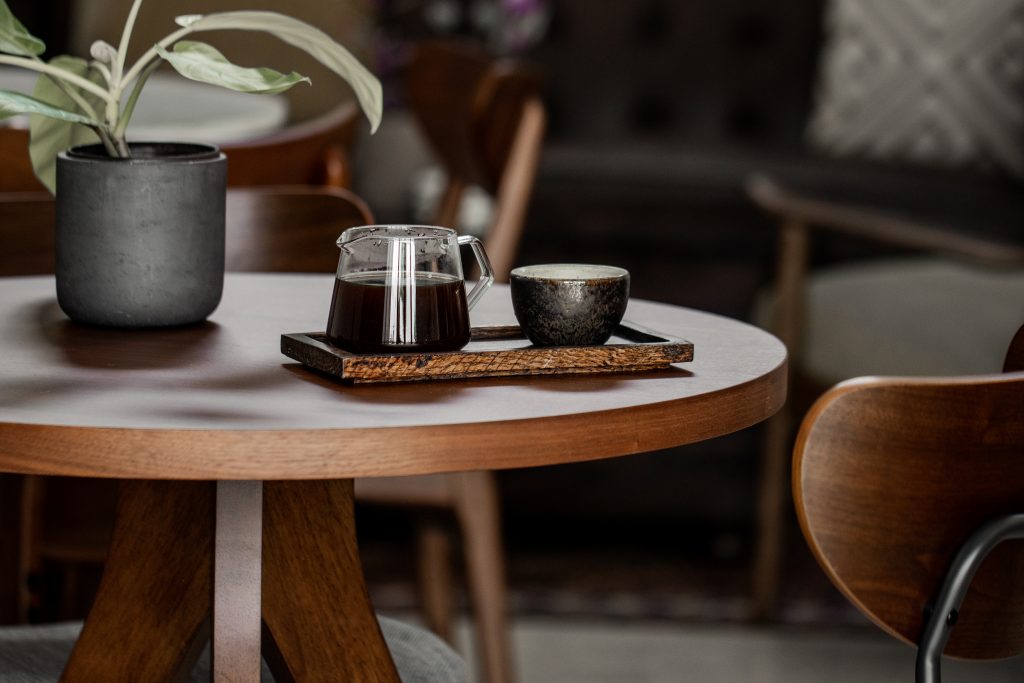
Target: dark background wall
x=48 y=20
x=659 y=111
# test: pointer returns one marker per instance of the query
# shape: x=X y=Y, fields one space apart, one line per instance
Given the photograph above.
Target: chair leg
x=15 y=532
x=939 y=623
x=434 y=557
x=476 y=506
x=69 y=589
x=773 y=487
x=771 y=517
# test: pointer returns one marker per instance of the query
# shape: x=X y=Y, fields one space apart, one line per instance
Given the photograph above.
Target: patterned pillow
x=937 y=82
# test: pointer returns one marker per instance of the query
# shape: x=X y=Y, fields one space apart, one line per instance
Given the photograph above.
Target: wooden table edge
x=319 y=453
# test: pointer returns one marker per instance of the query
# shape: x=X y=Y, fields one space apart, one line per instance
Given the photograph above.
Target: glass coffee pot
x=400 y=288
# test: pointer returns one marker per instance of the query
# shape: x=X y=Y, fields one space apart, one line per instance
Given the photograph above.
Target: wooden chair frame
x=904 y=489
x=798 y=217
x=313 y=152
x=485 y=122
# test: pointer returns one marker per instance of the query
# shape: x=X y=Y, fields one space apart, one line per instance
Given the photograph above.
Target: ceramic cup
x=569 y=304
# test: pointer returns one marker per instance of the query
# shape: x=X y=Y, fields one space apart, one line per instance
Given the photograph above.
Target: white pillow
x=937 y=82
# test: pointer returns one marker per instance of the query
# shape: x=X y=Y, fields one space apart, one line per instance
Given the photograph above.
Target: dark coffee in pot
x=375 y=313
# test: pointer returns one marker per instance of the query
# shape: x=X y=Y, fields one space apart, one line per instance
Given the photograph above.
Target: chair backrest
x=485 y=122
x=313 y=152
x=276 y=229
x=1015 y=353
x=289 y=229
x=891 y=476
x=26 y=232
x=16 y=174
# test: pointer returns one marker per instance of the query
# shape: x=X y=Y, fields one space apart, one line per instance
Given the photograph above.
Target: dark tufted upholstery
x=659 y=110
x=708 y=71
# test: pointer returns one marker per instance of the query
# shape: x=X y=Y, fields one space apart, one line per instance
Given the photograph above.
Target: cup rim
x=597 y=272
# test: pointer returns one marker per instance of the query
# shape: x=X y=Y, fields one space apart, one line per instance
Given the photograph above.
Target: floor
x=566 y=650
x=613 y=605
x=634 y=613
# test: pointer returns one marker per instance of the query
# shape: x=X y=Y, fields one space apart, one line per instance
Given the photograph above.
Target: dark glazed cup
x=568 y=304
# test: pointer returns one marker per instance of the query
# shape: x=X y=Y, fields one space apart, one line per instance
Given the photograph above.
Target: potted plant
x=140 y=226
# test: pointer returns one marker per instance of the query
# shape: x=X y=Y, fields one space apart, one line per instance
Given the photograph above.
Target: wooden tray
x=492 y=352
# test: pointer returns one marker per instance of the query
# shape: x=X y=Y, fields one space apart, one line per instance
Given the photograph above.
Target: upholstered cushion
x=36 y=654
x=909 y=317
x=923 y=81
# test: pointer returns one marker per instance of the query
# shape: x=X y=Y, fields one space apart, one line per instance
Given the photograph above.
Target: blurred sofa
x=659 y=111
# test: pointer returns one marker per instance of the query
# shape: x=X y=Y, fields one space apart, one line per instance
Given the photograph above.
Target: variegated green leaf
x=14 y=38
x=202 y=62
x=14 y=103
x=50 y=136
x=310 y=39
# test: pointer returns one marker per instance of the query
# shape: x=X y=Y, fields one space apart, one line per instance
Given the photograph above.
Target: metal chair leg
x=939 y=625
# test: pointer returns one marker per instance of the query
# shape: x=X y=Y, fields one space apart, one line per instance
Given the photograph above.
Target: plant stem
x=75 y=96
x=102 y=68
x=117 y=68
x=59 y=73
x=149 y=55
x=129 y=106
x=108 y=142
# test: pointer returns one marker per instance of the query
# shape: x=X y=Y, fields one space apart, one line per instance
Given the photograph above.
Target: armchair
x=916 y=132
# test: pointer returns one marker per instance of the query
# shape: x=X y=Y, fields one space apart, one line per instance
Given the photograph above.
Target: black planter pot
x=140 y=241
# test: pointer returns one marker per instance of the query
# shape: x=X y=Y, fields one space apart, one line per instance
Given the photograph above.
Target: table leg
x=237 y=547
x=150 y=618
x=319 y=623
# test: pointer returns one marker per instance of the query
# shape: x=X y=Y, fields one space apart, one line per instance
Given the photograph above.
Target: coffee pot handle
x=486 y=272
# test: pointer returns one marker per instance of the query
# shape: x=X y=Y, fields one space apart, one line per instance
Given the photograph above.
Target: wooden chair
x=926 y=189
x=16 y=173
x=906 y=489
x=936 y=215
x=485 y=122
x=313 y=152
x=967 y=248
x=66 y=522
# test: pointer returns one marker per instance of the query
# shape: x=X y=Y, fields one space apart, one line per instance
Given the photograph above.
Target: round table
x=229 y=450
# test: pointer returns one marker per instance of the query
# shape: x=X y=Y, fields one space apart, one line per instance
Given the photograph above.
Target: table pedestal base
x=151 y=617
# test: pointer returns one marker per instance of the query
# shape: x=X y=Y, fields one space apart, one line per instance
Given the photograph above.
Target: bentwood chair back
x=313 y=152
x=269 y=229
x=65 y=523
x=484 y=121
x=26 y=232
x=892 y=477
x=289 y=229
x=16 y=173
